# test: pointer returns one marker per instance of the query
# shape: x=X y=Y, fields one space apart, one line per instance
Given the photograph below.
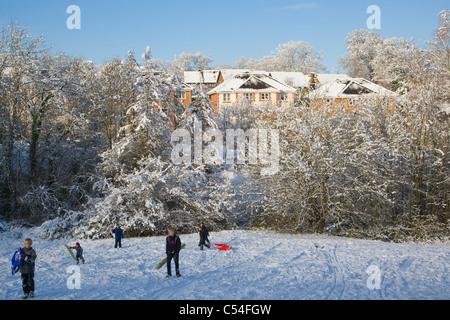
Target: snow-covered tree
x=328 y=171
x=298 y=56
x=375 y=171
x=189 y=62
x=292 y=56
x=385 y=61
x=149 y=121
x=19 y=54
x=440 y=47
x=116 y=93
x=199 y=112
x=147 y=55
x=200 y=61
x=45 y=106
x=362 y=46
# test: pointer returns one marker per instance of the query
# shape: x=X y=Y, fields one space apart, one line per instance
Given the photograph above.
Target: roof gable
x=251 y=82
x=354 y=88
x=351 y=88
x=256 y=84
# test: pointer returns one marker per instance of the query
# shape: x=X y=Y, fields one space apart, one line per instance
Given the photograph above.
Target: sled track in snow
x=339 y=277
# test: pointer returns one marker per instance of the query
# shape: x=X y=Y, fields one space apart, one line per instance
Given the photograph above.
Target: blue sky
x=226 y=30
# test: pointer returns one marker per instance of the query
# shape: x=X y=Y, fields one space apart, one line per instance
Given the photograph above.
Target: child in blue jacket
x=118 y=235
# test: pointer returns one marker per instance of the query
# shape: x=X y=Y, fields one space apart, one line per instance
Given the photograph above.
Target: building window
x=183 y=95
x=226 y=97
x=264 y=96
x=353 y=102
x=249 y=96
x=283 y=97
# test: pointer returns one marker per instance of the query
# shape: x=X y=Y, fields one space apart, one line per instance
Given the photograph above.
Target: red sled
x=223 y=247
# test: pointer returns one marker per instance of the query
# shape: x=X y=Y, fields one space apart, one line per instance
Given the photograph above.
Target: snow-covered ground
x=261 y=266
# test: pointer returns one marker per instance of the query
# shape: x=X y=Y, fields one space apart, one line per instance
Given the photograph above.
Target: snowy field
x=261 y=266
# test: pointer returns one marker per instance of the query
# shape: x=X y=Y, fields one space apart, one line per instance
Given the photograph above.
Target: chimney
x=312 y=81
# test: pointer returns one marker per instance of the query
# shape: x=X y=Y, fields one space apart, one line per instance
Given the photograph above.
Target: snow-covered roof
x=252 y=82
x=206 y=76
x=350 y=88
x=325 y=78
x=294 y=79
x=227 y=74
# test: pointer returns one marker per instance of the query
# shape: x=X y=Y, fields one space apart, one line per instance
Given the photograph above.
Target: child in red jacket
x=79 y=253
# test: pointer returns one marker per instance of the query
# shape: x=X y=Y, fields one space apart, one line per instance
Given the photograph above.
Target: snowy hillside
x=261 y=266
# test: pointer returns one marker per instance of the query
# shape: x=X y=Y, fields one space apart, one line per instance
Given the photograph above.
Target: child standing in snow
x=118 y=235
x=79 y=251
x=203 y=232
x=173 y=247
x=27 y=269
